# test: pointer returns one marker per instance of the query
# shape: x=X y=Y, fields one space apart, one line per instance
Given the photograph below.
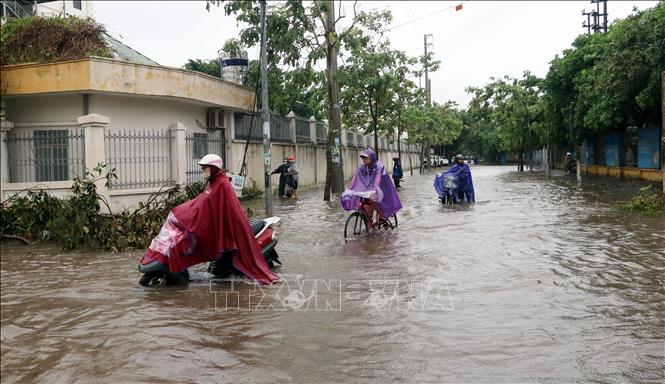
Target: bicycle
x=360 y=221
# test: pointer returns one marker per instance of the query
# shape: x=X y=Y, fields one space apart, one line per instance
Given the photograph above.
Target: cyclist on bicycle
x=371 y=176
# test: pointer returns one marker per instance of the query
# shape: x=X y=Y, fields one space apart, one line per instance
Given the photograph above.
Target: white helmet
x=213 y=160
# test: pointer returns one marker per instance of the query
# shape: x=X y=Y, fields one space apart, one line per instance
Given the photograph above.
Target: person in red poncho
x=210 y=226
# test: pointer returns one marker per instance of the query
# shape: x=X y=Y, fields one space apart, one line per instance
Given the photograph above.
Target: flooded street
x=539 y=281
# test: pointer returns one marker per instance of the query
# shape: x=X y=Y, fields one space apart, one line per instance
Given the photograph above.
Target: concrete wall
x=311 y=160
x=624 y=172
x=136 y=112
x=93 y=75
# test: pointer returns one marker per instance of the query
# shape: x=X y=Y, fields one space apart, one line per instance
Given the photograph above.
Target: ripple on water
x=541 y=280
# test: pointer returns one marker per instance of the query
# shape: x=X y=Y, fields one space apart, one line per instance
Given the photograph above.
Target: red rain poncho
x=214 y=223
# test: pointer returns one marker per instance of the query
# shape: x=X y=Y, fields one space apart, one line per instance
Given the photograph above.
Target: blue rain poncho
x=456 y=183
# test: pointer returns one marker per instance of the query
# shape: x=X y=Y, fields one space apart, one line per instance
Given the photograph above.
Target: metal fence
x=321 y=133
x=242 y=127
x=279 y=129
x=141 y=158
x=350 y=139
x=45 y=154
x=302 y=130
x=199 y=145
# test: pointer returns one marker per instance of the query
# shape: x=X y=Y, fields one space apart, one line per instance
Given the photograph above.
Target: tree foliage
x=607 y=82
x=604 y=83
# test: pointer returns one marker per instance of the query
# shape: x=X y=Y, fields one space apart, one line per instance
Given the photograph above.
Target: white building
x=23 y=8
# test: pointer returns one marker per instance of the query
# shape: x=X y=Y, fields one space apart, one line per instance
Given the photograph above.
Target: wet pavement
x=539 y=281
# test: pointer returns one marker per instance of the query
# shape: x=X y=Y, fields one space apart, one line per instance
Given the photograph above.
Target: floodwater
x=539 y=281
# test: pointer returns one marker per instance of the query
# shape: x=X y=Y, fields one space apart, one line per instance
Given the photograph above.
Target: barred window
x=51 y=155
x=77 y=4
x=200 y=145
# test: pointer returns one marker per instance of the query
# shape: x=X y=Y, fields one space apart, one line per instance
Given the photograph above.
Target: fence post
x=178 y=153
x=312 y=129
x=342 y=136
x=292 y=126
x=5 y=127
x=93 y=126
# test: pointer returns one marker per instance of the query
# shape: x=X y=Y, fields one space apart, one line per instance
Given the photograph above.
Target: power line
x=416 y=27
x=426 y=16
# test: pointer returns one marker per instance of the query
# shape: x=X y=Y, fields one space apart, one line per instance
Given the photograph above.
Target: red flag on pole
x=458 y=7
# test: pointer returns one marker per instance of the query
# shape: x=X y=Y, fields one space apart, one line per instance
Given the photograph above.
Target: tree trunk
x=578 y=163
x=531 y=161
x=376 y=138
x=423 y=146
x=335 y=163
x=547 y=162
x=399 y=138
x=662 y=128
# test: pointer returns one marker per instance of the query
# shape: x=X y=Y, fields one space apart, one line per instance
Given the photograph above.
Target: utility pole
x=588 y=21
x=596 y=25
x=265 y=112
x=427 y=83
x=334 y=160
x=425 y=145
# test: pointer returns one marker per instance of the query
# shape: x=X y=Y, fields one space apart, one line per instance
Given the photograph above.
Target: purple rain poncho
x=372 y=178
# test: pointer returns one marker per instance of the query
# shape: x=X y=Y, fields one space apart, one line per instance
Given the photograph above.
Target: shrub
x=648 y=202
x=37 y=39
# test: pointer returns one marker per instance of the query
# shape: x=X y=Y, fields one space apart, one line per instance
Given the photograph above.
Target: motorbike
x=449 y=185
x=452 y=188
x=155 y=267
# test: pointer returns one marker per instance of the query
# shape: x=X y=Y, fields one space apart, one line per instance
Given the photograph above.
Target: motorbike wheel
x=355 y=225
x=272 y=258
x=154 y=279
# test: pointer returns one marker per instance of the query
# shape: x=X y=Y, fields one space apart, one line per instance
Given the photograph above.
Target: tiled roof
x=124 y=52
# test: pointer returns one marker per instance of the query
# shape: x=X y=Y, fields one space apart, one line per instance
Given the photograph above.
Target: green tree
x=370 y=77
x=299 y=35
x=515 y=109
x=209 y=67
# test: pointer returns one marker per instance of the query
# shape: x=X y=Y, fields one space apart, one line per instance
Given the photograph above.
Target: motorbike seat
x=257 y=225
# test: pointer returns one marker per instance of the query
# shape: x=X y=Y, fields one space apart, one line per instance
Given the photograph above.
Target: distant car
x=444 y=161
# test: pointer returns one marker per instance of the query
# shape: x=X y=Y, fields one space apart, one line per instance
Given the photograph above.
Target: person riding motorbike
x=456 y=184
x=371 y=176
x=210 y=227
x=568 y=163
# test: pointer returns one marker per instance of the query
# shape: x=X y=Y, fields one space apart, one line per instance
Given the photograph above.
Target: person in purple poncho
x=371 y=181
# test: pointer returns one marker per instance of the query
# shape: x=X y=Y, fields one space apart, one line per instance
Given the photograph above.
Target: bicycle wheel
x=390 y=223
x=356 y=224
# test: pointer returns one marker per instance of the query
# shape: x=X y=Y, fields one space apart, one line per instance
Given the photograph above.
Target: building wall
x=109 y=76
x=44 y=108
x=126 y=112
x=135 y=112
x=56 y=8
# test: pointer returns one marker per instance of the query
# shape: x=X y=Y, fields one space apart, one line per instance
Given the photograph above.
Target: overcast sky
x=483 y=39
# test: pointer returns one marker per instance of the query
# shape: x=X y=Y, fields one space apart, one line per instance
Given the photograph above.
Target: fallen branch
x=14 y=237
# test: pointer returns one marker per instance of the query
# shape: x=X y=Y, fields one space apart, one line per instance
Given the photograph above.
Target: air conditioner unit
x=215 y=118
